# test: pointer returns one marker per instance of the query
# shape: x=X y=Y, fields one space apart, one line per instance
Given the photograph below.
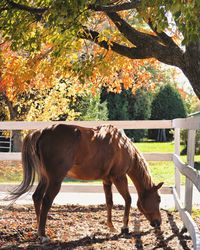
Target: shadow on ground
x=84 y=227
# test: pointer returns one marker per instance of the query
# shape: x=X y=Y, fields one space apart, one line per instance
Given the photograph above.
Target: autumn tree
x=48 y=52
x=30 y=89
x=169 y=30
x=192 y=103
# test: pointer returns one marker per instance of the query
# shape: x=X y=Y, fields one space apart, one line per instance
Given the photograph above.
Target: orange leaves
x=10 y=65
x=19 y=72
x=113 y=71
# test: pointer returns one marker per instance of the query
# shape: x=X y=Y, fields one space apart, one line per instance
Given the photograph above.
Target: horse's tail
x=30 y=163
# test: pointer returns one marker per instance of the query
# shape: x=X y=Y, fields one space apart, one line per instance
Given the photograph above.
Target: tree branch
x=115 y=8
x=165 y=55
x=30 y=9
x=133 y=35
x=148 y=44
x=3 y=8
x=130 y=52
x=167 y=40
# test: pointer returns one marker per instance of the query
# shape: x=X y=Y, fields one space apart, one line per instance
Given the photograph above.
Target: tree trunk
x=16 y=134
x=194 y=79
x=17 y=141
x=192 y=66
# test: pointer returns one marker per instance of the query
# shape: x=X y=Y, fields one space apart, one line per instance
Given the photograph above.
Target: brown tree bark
x=16 y=134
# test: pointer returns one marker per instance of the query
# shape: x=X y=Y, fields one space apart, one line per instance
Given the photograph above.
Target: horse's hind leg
x=38 y=196
x=51 y=192
x=107 y=185
x=121 y=184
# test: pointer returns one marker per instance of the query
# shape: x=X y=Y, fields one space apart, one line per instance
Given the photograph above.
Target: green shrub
x=128 y=106
x=184 y=135
x=167 y=105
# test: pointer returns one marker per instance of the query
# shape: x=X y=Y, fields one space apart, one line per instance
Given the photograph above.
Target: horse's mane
x=142 y=167
x=139 y=163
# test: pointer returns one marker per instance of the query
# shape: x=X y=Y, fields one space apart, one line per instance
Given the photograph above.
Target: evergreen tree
x=127 y=106
x=167 y=105
x=139 y=108
x=117 y=106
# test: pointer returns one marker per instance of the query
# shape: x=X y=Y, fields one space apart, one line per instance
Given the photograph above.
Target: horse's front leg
x=107 y=185
x=121 y=184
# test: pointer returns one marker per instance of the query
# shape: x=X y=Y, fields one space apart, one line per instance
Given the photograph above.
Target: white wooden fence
x=5 y=142
x=192 y=175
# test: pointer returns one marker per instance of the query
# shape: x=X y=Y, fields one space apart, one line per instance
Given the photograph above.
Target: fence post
x=190 y=162
x=177 y=152
x=10 y=142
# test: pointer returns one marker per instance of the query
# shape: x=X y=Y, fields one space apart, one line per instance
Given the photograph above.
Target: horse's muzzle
x=155 y=223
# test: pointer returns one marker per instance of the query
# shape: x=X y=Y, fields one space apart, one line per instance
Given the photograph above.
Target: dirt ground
x=84 y=227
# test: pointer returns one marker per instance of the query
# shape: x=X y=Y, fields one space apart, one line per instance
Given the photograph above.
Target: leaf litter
x=84 y=227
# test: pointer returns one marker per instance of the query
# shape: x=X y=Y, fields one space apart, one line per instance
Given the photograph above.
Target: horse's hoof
x=124 y=230
x=44 y=239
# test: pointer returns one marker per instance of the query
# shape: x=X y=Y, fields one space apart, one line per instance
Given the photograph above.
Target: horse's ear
x=159 y=185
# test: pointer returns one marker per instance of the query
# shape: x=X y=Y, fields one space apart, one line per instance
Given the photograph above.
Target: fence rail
x=188 y=221
x=14 y=156
x=140 y=124
x=187 y=123
x=188 y=171
x=192 y=175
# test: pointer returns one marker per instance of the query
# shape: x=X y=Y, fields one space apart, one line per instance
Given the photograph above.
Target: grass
x=162 y=170
x=11 y=172
x=196 y=213
x=162 y=147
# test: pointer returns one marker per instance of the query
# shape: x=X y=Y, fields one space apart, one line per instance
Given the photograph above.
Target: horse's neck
x=140 y=174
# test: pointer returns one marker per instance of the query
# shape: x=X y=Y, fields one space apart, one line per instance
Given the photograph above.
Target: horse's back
x=54 y=138
x=57 y=147
x=83 y=153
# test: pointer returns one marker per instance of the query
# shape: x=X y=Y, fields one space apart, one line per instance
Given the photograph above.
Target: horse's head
x=148 y=203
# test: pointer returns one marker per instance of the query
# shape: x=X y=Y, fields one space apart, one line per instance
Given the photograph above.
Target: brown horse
x=86 y=154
